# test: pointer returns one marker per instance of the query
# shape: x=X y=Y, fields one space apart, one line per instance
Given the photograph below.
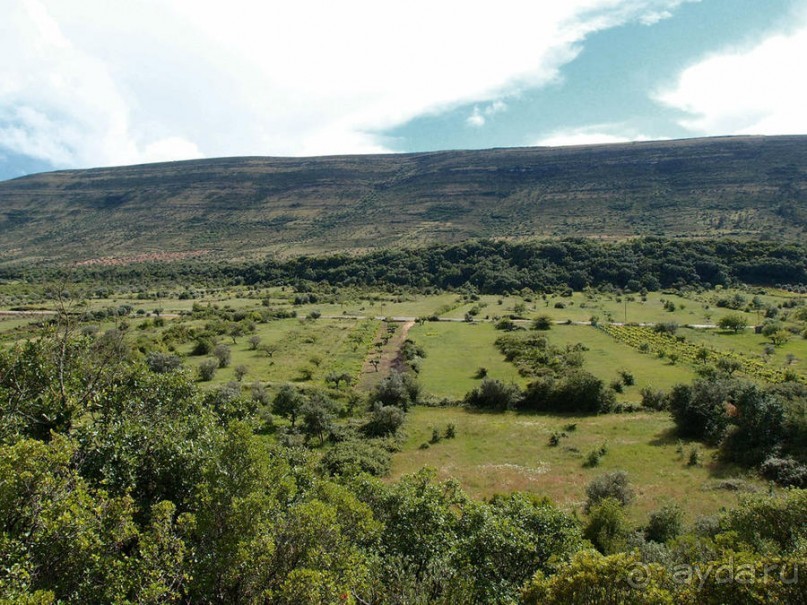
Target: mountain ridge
x=753 y=187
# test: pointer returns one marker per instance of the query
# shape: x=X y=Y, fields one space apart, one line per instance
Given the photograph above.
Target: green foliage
x=578 y=391
x=400 y=390
x=700 y=410
x=612 y=485
x=289 y=403
x=207 y=369
x=607 y=528
x=318 y=415
x=593 y=578
x=542 y=322
x=494 y=395
x=355 y=456
x=733 y=322
x=665 y=524
x=385 y=420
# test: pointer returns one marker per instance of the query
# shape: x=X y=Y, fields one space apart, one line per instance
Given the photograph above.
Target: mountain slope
x=743 y=186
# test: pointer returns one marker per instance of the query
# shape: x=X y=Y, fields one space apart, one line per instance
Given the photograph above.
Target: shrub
x=699 y=410
x=352 y=457
x=240 y=371
x=607 y=528
x=401 y=390
x=654 y=399
x=576 y=391
x=665 y=524
x=610 y=485
x=785 y=471
x=451 y=431
x=542 y=322
x=733 y=322
x=494 y=395
x=628 y=378
x=385 y=420
x=223 y=354
x=162 y=363
x=202 y=346
x=207 y=369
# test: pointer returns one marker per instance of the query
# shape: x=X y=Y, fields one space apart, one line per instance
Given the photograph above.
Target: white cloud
x=479 y=117
x=90 y=82
x=592 y=135
x=759 y=90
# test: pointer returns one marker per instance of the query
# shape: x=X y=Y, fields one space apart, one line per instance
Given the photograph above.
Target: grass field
x=454 y=353
x=303 y=351
x=502 y=452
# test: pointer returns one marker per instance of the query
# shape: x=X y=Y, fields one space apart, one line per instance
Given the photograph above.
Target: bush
x=494 y=395
x=207 y=369
x=785 y=471
x=202 y=346
x=576 y=391
x=665 y=524
x=401 y=390
x=733 y=322
x=607 y=529
x=542 y=322
x=654 y=399
x=627 y=377
x=229 y=403
x=610 y=485
x=223 y=354
x=385 y=420
x=506 y=324
x=451 y=431
x=352 y=457
x=162 y=363
x=699 y=410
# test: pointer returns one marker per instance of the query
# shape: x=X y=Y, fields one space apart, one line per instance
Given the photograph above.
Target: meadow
x=304 y=338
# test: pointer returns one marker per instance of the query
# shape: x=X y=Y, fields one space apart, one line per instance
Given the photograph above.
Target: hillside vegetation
x=235 y=207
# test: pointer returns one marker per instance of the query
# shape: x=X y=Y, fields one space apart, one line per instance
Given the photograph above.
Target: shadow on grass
x=666 y=437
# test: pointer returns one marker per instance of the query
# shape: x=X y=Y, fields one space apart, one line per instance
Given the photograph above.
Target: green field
x=501 y=452
x=492 y=453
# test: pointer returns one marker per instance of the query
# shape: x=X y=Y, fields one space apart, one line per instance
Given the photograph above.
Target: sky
x=87 y=83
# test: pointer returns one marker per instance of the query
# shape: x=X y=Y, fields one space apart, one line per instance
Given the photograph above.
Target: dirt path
x=389 y=359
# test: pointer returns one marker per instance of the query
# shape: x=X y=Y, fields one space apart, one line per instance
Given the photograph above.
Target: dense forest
x=492 y=267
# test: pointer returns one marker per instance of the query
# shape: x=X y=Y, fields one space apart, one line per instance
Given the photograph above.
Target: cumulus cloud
x=89 y=82
x=479 y=117
x=757 y=90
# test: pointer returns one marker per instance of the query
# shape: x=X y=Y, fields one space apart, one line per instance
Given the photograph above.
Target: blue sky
x=93 y=83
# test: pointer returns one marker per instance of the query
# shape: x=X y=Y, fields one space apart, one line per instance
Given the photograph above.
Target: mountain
x=234 y=207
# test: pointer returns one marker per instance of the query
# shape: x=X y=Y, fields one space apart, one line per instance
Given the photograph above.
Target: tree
x=289 y=403
x=254 y=341
x=542 y=322
x=223 y=354
x=207 y=369
x=318 y=415
x=240 y=371
x=336 y=378
x=734 y=322
x=401 y=390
